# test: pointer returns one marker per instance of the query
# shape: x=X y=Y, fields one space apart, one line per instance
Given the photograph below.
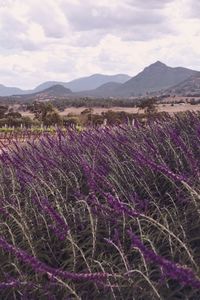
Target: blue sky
x=66 y=39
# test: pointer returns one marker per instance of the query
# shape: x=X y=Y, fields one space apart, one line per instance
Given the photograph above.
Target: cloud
x=14 y=32
x=90 y=16
x=66 y=39
x=193 y=9
x=150 y=4
x=49 y=16
x=128 y=20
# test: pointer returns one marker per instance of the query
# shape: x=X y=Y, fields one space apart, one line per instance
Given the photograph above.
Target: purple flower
x=60 y=228
x=15 y=283
x=157 y=167
x=53 y=273
x=121 y=208
x=183 y=275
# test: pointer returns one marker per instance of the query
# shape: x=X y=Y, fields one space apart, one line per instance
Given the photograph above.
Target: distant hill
x=153 y=78
x=56 y=91
x=105 y=90
x=8 y=91
x=188 y=87
x=86 y=83
x=51 y=93
x=46 y=85
x=77 y=85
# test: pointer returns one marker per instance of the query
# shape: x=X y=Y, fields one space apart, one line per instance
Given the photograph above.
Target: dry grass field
x=98 y=110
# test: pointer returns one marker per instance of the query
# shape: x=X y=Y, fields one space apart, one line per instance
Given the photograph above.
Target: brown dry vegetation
x=181 y=107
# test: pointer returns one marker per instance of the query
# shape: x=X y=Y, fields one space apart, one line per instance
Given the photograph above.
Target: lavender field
x=105 y=213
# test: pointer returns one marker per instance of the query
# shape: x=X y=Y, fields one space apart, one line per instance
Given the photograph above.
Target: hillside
x=86 y=83
x=8 y=91
x=51 y=93
x=95 y=81
x=190 y=86
x=56 y=91
x=46 y=85
x=81 y=84
x=153 y=78
x=105 y=90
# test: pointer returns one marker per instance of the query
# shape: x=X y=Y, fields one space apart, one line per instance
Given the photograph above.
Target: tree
x=87 y=111
x=13 y=115
x=149 y=106
x=46 y=113
x=52 y=118
x=3 y=110
x=70 y=120
x=27 y=122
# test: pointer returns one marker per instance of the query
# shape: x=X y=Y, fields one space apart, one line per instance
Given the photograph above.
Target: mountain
x=51 y=93
x=8 y=91
x=77 y=85
x=155 y=77
x=86 y=83
x=56 y=91
x=105 y=90
x=47 y=85
x=190 y=86
x=95 y=81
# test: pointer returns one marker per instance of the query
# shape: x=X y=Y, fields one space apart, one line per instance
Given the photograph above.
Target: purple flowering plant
x=105 y=213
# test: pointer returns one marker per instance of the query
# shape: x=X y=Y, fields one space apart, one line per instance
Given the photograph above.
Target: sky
x=43 y=40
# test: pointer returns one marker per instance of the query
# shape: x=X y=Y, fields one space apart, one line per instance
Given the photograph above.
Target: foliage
x=148 y=106
x=105 y=213
x=18 y=122
x=13 y=115
x=3 y=110
x=52 y=118
x=61 y=104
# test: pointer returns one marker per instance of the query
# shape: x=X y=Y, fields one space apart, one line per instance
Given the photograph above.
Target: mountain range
x=86 y=83
x=153 y=78
x=8 y=91
x=156 y=78
x=77 y=85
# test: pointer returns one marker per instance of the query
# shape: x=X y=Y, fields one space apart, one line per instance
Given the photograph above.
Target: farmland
x=103 y=213
x=160 y=107
x=98 y=110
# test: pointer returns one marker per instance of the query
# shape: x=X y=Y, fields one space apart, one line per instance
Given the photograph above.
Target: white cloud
x=65 y=39
x=49 y=15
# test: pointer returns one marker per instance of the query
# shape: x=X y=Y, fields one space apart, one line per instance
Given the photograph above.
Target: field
x=98 y=110
x=103 y=213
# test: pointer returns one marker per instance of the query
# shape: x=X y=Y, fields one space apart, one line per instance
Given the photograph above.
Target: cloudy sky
x=44 y=40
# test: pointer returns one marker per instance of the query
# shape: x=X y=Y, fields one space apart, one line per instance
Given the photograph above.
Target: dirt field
x=160 y=107
x=98 y=110
x=178 y=107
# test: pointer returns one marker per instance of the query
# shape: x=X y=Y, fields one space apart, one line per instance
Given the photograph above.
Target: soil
x=181 y=107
